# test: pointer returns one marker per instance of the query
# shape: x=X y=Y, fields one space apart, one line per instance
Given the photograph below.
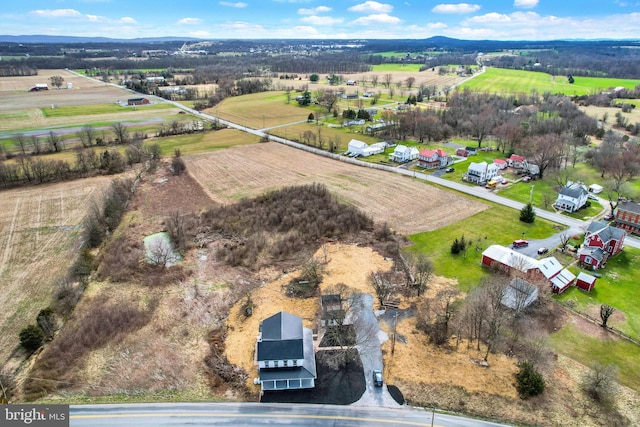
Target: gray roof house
x=519 y=294
x=571 y=197
x=284 y=353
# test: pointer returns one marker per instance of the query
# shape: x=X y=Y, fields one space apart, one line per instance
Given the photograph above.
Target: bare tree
x=564 y=241
x=56 y=81
x=601 y=383
x=35 y=144
x=54 y=141
x=410 y=81
x=374 y=80
x=605 y=312
x=381 y=282
x=387 y=79
x=422 y=271
x=160 y=252
x=21 y=143
x=120 y=133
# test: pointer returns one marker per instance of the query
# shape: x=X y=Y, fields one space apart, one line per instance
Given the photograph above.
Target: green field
x=85 y=110
x=618 y=287
x=497 y=225
x=203 y=142
x=588 y=349
x=413 y=68
x=259 y=110
x=498 y=80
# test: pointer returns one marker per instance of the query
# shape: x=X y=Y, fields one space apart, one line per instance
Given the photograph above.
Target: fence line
x=599 y=323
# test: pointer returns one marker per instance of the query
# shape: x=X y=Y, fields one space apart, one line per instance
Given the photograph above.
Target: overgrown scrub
x=218 y=369
x=123 y=261
x=105 y=214
x=279 y=224
x=103 y=322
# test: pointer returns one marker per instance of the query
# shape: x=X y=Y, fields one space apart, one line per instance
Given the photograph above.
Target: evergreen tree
x=530 y=381
x=527 y=214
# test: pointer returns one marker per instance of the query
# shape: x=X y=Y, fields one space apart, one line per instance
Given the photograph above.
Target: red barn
x=137 y=101
x=585 y=281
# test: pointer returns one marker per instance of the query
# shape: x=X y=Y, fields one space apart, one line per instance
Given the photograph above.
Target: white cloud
x=238 y=5
x=525 y=4
x=455 y=8
x=305 y=30
x=56 y=13
x=321 y=20
x=189 y=21
x=243 y=27
x=436 y=25
x=314 y=10
x=371 y=7
x=127 y=20
x=378 y=19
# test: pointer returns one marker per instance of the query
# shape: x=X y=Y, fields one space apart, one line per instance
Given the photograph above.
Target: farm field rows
x=39 y=233
x=88 y=102
x=498 y=80
x=408 y=206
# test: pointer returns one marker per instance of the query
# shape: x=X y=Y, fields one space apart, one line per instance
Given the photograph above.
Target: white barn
x=360 y=148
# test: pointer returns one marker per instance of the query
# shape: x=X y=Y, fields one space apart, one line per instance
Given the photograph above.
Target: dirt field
x=21 y=109
x=407 y=206
x=39 y=229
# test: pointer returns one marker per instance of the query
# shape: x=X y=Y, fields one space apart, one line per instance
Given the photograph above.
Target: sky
x=325 y=19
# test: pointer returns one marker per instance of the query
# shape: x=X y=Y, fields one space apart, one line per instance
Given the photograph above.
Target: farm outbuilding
x=137 y=101
x=519 y=294
x=585 y=281
x=360 y=148
x=38 y=87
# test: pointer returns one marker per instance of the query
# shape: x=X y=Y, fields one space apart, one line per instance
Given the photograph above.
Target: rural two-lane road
x=260 y=414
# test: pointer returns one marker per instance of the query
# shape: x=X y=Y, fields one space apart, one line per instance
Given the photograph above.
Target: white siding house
x=571 y=197
x=480 y=173
x=403 y=154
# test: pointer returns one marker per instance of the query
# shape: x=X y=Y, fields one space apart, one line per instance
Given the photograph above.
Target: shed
x=519 y=294
x=595 y=188
x=585 y=281
x=137 y=101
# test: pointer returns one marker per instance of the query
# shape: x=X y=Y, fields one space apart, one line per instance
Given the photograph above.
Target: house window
x=295 y=362
x=587 y=260
x=286 y=363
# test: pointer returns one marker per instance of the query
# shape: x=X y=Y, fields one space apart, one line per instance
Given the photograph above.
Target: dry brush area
x=408 y=206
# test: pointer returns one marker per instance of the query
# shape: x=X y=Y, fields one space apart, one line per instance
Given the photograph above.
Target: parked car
x=449 y=170
x=526 y=179
x=542 y=250
x=520 y=243
x=592 y=197
x=608 y=217
x=377 y=378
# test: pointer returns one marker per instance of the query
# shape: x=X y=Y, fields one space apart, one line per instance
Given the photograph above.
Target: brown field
x=21 y=109
x=39 y=232
x=408 y=206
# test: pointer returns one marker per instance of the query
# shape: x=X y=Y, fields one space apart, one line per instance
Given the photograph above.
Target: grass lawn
x=85 y=110
x=498 y=80
x=618 y=287
x=587 y=349
x=205 y=141
x=345 y=134
x=496 y=225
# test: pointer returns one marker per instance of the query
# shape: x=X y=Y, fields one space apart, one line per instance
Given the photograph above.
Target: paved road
x=258 y=414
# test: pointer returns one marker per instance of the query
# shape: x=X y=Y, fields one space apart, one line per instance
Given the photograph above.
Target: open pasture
x=407 y=205
x=39 y=237
x=498 y=80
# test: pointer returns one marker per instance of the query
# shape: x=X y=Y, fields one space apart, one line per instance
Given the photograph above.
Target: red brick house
x=462 y=152
x=434 y=159
x=585 y=281
x=601 y=241
x=628 y=217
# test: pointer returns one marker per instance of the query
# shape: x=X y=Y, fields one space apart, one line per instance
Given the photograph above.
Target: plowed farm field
x=408 y=206
x=39 y=235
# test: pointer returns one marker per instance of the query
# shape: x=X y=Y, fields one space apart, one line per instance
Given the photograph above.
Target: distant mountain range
x=436 y=40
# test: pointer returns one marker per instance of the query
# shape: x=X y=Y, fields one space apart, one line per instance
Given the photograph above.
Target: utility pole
x=393 y=342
